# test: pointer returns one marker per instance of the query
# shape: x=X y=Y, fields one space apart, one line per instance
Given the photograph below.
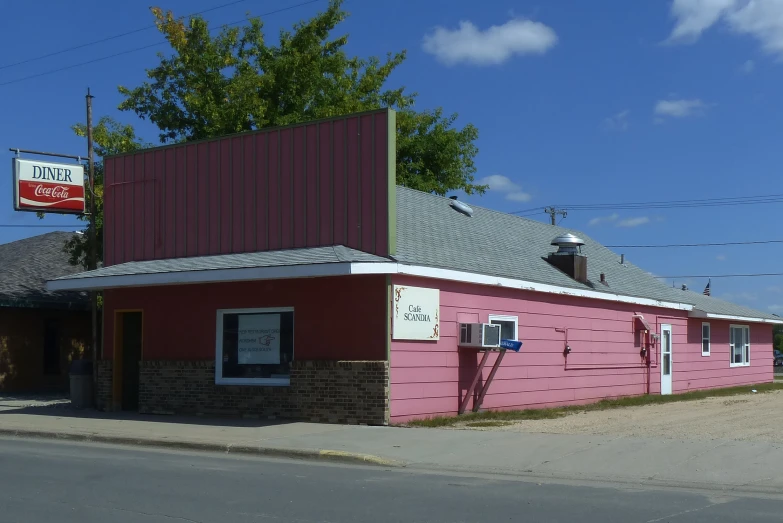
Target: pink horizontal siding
x=430 y=378
x=692 y=371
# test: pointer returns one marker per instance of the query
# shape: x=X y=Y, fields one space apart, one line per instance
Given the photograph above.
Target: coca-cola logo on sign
x=57 y=191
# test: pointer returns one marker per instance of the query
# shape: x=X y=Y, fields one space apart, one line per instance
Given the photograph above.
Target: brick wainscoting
x=104 y=388
x=322 y=391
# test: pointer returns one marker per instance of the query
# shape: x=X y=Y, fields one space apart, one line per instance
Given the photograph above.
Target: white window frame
x=707 y=339
x=265 y=382
x=745 y=351
x=499 y=317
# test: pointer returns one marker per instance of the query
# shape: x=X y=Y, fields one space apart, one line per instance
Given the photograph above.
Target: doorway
x=666 y=359
x=128 y=330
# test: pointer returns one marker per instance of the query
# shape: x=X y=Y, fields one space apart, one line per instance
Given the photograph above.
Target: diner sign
x=48 y=187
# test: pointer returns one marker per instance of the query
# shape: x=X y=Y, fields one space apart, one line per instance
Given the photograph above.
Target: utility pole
x=92 y=256
x=553 y=212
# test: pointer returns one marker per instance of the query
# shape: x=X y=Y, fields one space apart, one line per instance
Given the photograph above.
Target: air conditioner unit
x=479 y=335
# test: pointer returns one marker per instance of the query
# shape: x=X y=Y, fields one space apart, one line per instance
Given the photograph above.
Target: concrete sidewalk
x=710 y=464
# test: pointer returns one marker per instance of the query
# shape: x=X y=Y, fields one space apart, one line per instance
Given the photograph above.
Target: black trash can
x=81 y=384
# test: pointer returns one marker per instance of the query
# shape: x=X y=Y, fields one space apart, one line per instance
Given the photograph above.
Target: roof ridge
x=494 y=211
x=38 y=237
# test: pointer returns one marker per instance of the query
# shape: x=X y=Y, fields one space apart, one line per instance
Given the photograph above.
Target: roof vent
x=569 y=257
x=684 y=287
x=461 y=207
x=568 y=244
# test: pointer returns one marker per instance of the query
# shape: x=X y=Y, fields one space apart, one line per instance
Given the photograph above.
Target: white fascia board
x=495 y=281
x=339 y=269
x=696 y=313
x=203 y=276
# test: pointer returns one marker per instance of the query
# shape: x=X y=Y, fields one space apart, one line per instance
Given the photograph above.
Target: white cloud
x=519 y=196
x=491 y=46
x=748 y=67
x=618 y=122
x=633 y=222
x=775 y=288
x=720 y=257
x=603 y=219
x=695 y=16
x=500 y=183
x=775 y=308
x=679 y=108
x=760 y=19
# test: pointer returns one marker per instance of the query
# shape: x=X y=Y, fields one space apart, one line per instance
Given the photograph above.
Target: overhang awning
x=642 y=323
x=292 y=263
x=697 y=313
x=305 y=263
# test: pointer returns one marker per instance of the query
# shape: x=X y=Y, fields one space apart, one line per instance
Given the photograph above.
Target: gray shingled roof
x=27 y=265
x=430 y=232
x=309 y=256
x=714 y=305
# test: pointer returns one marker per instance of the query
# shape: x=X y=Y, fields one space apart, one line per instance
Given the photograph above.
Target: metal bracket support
x=483 y=392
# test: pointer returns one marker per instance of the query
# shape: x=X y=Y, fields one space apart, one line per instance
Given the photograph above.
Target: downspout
x=646 y=346
x=388 y=340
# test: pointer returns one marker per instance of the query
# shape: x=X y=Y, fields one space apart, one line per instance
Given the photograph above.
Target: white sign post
x=416 y=313
x=259 y=339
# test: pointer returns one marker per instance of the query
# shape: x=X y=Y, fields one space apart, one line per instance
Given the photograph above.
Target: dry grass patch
x=508 y=416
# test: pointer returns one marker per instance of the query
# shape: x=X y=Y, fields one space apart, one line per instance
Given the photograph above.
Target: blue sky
x=638 y=101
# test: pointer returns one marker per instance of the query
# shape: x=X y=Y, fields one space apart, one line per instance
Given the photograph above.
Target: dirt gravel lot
x=746 y=417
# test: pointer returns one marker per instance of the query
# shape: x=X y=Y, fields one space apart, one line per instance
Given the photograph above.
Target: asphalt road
x=57 y=482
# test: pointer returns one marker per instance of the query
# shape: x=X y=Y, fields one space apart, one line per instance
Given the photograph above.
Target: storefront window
x=254 y=346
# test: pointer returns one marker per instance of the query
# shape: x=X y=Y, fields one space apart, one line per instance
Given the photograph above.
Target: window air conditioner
x=479 y=335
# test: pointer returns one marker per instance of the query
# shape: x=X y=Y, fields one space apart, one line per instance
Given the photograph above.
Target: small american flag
x=707 y=288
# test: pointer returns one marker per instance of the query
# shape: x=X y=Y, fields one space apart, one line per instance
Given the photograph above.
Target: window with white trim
x=739 y=344
x=705 y=339
x=254 y=346
x=509 y=326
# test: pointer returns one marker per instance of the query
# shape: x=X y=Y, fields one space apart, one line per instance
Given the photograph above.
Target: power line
x=691 y=245
x=670 y=204
x=109 y=38
x=46 y=73
x=741 y=200
x=121 y=53
x=757 y=275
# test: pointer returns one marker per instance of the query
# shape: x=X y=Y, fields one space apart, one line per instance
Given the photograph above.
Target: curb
x=273 y=452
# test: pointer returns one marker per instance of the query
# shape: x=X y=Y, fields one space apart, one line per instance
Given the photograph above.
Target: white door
x=666 y=359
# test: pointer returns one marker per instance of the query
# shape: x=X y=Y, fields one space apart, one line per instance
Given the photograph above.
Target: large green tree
x=233 y=81
x=109 y=137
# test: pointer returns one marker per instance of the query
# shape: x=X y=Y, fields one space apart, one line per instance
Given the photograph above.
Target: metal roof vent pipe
x=461 y=207
x=569 y=257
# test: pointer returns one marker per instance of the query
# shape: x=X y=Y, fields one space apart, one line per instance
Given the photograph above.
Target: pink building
x=283 y=273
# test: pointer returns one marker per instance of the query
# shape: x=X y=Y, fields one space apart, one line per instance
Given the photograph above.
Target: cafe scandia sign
x=48 y=187
x=416 y=313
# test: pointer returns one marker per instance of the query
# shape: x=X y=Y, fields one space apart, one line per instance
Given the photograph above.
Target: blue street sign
x=511 y=344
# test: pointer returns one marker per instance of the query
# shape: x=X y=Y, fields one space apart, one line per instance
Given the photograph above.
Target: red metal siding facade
x=334 y=318
x=314 y=184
